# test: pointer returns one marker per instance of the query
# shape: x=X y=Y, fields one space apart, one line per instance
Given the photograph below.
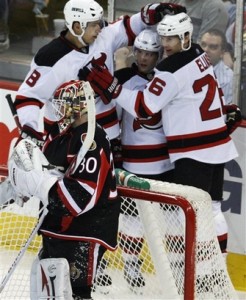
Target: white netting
x=162 y=260
x=160 y=237
x=16 y=224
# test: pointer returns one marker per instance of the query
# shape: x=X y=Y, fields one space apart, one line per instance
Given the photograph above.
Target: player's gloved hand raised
x=153 y=13
x=103 y=82
x=233 y=117
x=29 y=133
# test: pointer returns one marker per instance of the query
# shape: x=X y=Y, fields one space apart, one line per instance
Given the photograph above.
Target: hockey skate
x=133 y=275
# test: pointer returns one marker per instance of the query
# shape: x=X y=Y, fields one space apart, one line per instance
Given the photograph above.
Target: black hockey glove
x=29 y=133
x=103 y=82
x=233 y=117
x=153 y=13
x=117 y=152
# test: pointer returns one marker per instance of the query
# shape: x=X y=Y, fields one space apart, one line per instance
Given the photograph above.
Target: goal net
x=179 y=257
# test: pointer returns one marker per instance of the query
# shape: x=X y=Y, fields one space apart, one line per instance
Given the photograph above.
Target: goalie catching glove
x=29 y=171
x=153 y=13
x=102 y=81
x=8 y=194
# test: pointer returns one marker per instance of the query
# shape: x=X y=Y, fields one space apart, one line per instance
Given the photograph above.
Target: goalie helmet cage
x=180 y=257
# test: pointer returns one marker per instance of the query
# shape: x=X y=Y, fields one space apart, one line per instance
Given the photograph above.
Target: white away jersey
x=59 y=62
x=185 y=89
x=144 y=147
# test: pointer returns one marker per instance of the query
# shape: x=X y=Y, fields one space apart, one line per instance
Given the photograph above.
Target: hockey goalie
x=76 y=187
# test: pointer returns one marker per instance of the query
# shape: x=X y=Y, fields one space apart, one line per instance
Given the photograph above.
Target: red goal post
x=190 y=229
x=180 y=259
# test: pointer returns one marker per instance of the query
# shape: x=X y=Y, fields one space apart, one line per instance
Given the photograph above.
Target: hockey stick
x=13 y=111
x=23 y=249
x=91 y=112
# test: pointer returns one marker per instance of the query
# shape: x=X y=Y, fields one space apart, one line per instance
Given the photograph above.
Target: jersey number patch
x=212 y=87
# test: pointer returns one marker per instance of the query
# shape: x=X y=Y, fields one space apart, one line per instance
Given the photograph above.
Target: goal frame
x=179 y=198
x=190 y=229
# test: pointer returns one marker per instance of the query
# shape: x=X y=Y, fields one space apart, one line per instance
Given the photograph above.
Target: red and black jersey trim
x=21 y=101
x=125 y=74
x=141 y=108
x=178 y=60
x=145 y=153
x=52 y=52
x=108 y=118
x=131 y=35
x=196 y=141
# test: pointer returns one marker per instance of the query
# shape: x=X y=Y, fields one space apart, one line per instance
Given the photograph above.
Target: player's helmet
x=172 y=25
x=82 y=11
x=69 y=101
x=148 y=40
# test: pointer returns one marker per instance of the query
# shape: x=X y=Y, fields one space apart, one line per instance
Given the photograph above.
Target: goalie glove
x=29 y=171
x=8 y=194
x=102 y=81
x=31 y=183
x=153 y=13
x=233 y=117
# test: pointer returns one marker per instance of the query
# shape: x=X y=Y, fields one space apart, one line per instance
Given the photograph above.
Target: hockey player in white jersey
x=59 y=61
x=144 y=149
x=185 y=89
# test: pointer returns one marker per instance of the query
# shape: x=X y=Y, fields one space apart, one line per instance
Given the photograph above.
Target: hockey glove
x=83 y=73
x=117 y=152
x=233 y=117
x=153 y=13
x=29 y=171
x=103 y=82
x=29 y=133
x=31 y=183
x=8 y=194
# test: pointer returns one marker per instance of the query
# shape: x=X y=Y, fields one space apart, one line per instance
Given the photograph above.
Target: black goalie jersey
x=82 y=206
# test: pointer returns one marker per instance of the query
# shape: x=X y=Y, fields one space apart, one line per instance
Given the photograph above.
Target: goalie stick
x=13 y=111
x=91 y=112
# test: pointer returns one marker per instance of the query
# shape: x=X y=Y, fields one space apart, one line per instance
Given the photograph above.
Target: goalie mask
x=69 y=102
x=179 y=25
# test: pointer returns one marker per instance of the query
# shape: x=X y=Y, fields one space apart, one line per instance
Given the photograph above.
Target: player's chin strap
x=91 y=113
x=80 y=36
